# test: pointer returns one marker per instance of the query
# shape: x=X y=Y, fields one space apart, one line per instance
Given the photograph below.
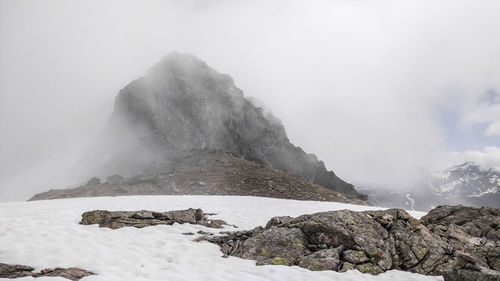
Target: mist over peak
x=182 y=104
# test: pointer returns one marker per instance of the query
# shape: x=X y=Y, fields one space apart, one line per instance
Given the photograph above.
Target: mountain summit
x=183 y=105
x=467 y=179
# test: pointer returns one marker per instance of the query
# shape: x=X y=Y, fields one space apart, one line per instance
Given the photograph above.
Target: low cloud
x=485 y=112
x=357 y=83
x=489 y=157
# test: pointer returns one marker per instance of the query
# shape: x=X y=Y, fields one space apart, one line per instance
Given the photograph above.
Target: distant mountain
x=467 y=179
x=182 y=104
x=467 y=184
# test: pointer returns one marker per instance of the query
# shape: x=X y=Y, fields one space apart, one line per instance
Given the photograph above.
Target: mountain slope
x=206 y=173
x=183 y=104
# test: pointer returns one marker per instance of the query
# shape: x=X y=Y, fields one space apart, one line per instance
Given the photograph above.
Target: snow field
x=46 y=234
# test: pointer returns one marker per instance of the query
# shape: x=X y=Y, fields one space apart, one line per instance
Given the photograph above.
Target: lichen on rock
x=144 y=218
x=370 y=242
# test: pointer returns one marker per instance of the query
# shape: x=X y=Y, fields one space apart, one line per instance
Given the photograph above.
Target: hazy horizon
x=376 y=90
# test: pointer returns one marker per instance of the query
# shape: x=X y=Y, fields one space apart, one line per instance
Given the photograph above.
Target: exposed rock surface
x=139 y=219
x=471 y=275
x=18 y=271
x=183 y=104
x=375 y=241
x=475 y=231
x=207 y=173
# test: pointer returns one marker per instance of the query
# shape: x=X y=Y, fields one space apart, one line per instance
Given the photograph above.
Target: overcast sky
x=376 y=89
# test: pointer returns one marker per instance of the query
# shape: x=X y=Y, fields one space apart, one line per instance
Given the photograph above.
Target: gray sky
x=374 y=88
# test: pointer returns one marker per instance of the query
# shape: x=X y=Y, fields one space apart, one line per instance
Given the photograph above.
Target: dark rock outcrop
x=15 y=270
x=471 y=275
x=183 y=104
x=475 y=231
x=18 y=271
x=373 y=242
x=139 y=219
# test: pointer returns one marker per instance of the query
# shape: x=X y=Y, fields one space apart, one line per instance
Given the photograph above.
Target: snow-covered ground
x=45 y=234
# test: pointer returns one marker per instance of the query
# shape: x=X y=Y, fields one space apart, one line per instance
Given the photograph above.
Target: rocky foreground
x=207 y=173
x=460 y=243
x=457 y=242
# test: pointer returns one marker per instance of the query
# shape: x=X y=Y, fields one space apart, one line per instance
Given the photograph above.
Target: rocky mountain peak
x=468 y=179
x=467 y=184
x=184 y=104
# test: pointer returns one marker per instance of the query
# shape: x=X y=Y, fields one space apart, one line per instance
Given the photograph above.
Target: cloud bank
x=489 y=157
x=359 y=83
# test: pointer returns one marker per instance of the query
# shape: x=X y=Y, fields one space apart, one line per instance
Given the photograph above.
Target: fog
x=365 y=85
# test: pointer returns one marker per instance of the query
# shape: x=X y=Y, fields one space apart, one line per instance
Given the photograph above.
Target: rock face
x=18 y=271
x=207 y=173
x=475 y=231
x=139 y=219
x=375 y=241
x=183 y=104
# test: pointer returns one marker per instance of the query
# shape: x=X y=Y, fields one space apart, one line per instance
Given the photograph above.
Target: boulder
x=73 y=273
x=355 y=257
x=144 y=218
x=18 y=271
x=181 y=216
x=15 y=270
x=143 y=215
x=443 y=243
x=468 y=275
x=475 y=231
x=326 y=259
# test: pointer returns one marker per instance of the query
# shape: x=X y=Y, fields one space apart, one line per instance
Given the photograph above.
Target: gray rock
x=17 y=271
x=369 y=268
x=198 y=215
x=277 y=221
x=469 y=275
x=217 y=223
x=372 y=242
x=143 y=215
x=274 y=246
x=182 y=216
x=346 y=266
x=144 y=218
x=475 y=231
x=68 y=273
x=326 y=259
x=355 y=257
